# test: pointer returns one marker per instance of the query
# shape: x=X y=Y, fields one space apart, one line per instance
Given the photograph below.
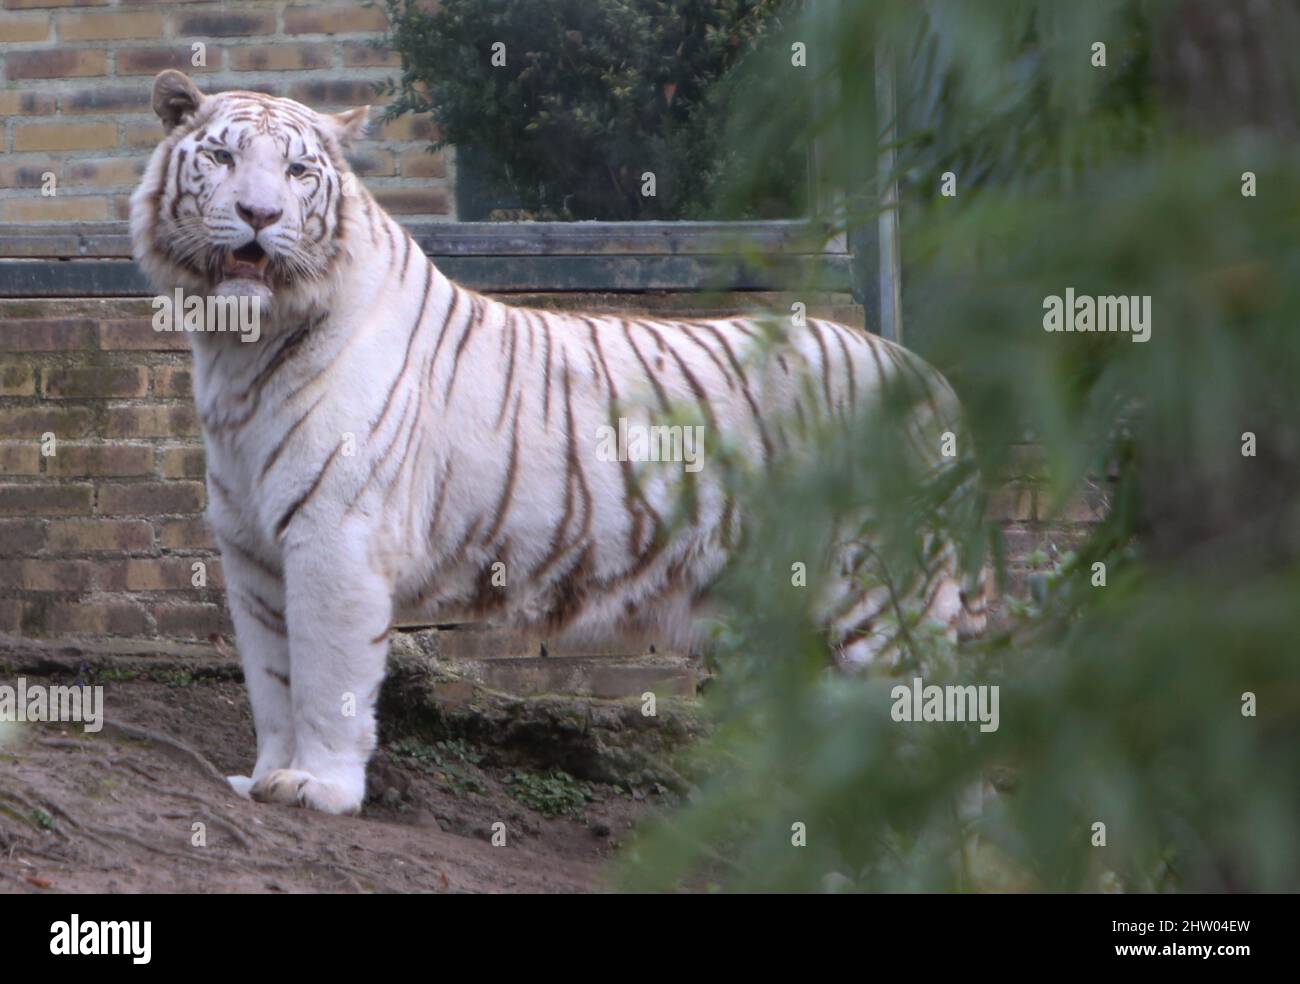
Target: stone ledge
x=590 y=738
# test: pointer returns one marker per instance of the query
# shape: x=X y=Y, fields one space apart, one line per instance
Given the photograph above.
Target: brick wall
x=76 y=85
x=1036 y=531
x=100 y=539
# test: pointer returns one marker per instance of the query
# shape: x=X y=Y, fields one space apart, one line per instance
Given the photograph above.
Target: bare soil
x=116 y=811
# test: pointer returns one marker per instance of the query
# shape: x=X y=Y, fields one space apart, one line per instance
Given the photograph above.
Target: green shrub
x=593 y=94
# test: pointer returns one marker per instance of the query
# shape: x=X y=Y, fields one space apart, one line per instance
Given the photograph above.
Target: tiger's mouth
x=249 y=262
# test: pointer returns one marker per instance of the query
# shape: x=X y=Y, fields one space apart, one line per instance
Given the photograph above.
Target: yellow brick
x=280 y=57
x=26 y=104
x=27 y=174
x=26 y=30
x=104 y=173
x=65 y=136
x=56 y=63
x=421 y=164
x=334 y=19
x=359 y=54
x=17 y=380
x=26 y=4
x=100 y=27
x=57 y=209
x=409 y=127
x=20 y=459
x=143 y=136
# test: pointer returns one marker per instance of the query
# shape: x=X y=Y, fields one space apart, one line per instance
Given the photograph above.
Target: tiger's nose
x=258 y=218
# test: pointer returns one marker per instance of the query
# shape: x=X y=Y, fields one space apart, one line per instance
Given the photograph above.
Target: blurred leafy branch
x=1121 y=704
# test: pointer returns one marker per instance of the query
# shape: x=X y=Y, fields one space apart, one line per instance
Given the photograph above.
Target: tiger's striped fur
x=395 y=436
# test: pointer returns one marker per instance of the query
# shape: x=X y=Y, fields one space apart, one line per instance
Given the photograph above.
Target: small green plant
x=414 y=752
x=112 y=674
x=553 y=794
x=452 y=761
x=460 y=750
x=175 y=678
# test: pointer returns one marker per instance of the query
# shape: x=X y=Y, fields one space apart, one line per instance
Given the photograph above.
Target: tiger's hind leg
x=855 y=611
x=876 y=616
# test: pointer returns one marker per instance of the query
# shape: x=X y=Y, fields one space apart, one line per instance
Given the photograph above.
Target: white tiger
x=395 y=438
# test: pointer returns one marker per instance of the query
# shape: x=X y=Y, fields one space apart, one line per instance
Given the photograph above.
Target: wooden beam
x=798 y=237
x=119 y=277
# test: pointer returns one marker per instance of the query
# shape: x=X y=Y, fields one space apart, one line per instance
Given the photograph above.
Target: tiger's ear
x=350 y=125
x=175 y=97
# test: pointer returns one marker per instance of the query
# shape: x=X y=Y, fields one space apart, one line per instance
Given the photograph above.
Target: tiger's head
x=247 y=195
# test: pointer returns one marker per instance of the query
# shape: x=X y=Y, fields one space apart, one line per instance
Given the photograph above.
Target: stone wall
x=103 y=545
x=101 y=538
x=75 y=88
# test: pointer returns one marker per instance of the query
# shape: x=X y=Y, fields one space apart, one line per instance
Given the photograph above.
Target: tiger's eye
x=223 y=157
x=297 y=169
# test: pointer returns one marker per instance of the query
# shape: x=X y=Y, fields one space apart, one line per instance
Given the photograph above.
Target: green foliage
x=1120 y=704
x=553 y=794
x=593 y=94
x=452 y=760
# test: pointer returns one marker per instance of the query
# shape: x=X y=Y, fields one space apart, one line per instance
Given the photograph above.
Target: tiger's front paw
x=242 y=785
x=294 y=787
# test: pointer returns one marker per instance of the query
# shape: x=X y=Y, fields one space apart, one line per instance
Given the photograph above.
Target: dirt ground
x=115 y=811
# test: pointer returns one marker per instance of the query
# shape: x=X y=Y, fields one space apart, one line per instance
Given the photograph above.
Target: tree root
x=175 y=749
